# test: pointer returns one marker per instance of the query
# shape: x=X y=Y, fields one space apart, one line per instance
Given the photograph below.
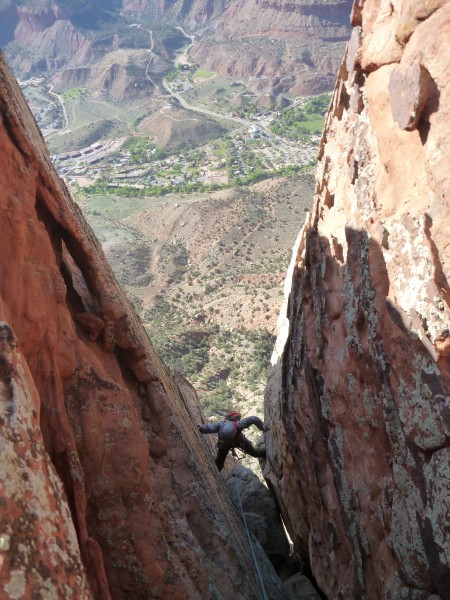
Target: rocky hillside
x=106 y=489
x=293 y=46
x=83 y=43
x=193 y=12
x=282 y=46
x=358 y=398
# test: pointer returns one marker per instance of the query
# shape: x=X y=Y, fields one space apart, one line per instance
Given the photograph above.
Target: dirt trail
x=174 y=119
x=150 y=51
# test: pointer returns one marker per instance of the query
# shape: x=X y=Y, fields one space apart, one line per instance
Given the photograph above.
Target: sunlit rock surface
x=106 y=490
x=358 y=398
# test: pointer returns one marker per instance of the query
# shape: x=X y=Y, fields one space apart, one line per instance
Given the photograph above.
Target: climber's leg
x=246 y=446
x=222 y=453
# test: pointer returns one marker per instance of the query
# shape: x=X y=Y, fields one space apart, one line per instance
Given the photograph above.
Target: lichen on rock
x=358 y=399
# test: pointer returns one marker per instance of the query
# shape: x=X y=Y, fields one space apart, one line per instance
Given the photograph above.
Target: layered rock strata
x=280 y=46
x=358 y=398
x=106 y=489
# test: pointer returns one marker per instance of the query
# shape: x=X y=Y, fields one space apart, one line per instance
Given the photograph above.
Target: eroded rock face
x=283 y=46
x=106 y=489
x=39 y=552
x=46 y=31
x=358 y=399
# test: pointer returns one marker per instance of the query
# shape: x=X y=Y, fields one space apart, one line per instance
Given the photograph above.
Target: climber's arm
x=248 y=421
x=209 y=427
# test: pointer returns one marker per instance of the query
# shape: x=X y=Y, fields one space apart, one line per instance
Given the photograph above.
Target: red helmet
x=233 y=415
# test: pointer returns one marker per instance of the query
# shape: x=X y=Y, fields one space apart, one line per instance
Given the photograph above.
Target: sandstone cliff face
x=298 y=42
x=358 y=398
x=106 y=490
x=48 y=37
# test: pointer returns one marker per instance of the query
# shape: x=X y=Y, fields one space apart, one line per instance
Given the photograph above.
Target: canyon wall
x=106 y=488
x=358 y=396
x=281 y=46
x=46 y=35
x=193 y=12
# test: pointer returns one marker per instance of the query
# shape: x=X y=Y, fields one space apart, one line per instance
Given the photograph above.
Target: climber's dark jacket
x=240 y=425
x=230 y=436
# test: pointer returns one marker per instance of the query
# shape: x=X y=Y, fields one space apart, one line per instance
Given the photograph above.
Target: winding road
x=184 y=54
x=203 y=111
x=242 y=123
x=149 y=50
x=66 y=118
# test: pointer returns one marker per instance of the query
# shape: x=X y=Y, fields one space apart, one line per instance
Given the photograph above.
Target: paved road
x=244 y=123
x=204 y=111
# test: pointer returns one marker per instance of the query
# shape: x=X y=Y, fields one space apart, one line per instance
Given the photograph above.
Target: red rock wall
x=39 y=552
x=106 y=489
x=358 y=398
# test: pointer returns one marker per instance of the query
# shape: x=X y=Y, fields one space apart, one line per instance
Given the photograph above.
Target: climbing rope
x=250 y=542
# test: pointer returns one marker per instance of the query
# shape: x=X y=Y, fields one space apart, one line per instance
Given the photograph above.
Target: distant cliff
x=192 y=12
x=283 y=46
x=358 y=398
x=106 y=490
x=198 y=12
x=44 y=38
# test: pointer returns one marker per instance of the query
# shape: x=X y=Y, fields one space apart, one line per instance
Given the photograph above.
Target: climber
x=231 y=436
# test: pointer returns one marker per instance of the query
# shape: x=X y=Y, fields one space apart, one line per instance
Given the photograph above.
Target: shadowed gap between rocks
x=263 y=518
